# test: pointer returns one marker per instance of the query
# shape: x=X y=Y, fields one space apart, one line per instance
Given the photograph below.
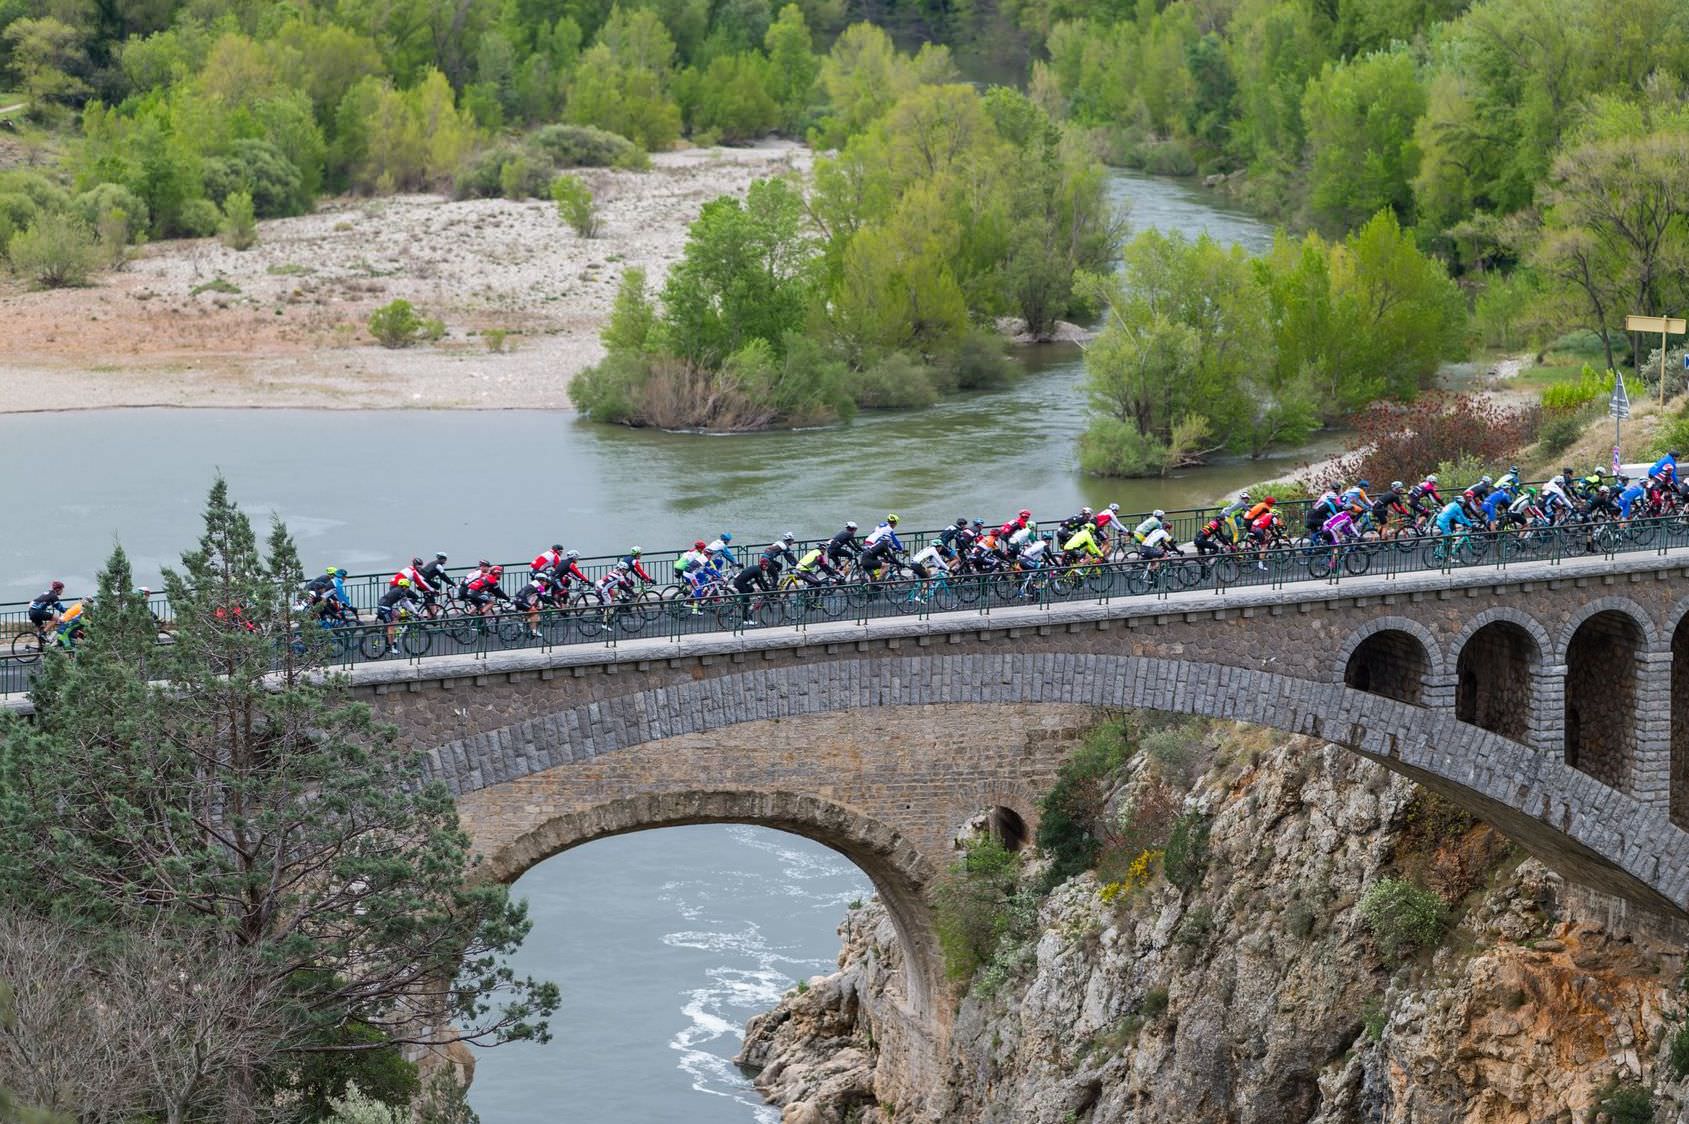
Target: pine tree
x=225 y=784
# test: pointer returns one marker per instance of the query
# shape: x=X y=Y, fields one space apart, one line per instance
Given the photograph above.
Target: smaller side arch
x=1674 y=618
x=1545 y=646
x=1622 y=605
x=1433 y=650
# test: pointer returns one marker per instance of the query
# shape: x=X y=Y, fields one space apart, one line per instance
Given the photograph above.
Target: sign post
x=1618 y=408
x=1666 y=326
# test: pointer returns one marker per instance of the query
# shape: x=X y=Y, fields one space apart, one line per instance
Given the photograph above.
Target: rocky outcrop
x=1259 y=996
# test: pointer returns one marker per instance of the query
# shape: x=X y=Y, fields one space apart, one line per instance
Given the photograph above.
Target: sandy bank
x=191 y=323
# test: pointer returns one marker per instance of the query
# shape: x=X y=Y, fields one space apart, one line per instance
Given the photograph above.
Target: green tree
x=48 y=55
x=224 y=788
x=575 y=204
x=239 y=230
x=748 y=272
x=1360 y=118
x=731 y=98
x=792 y=66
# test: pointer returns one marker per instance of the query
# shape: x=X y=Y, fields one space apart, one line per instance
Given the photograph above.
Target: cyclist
x=1590 y=486
x=1509 y=481
x=927 y=562
x=1232 y=513
x=631 y=565
x=1522 y=510
x=483 y=592
x=1453 y=514
x=328 y=592
x=1340 y=527
x=1602 y=505
x=438 y=581
x=566 y=573
x=780 y=551
x=1077 y=520
x=843 y=547
x=70 y=627
x=758 y=576
x=1481 y=489
x=690 y=568
x=1208 y=539
x=1423 y=499
x=882 y=542
x=1387 y=504
x=1496 y=504
x=413 y=573
x=1356 y=500
x=548 y=560
x=1319 y=511
x=1108 y=522
x=722 y=549
x=1149 y=526
x=401 y=595
x=1267 y=504
x=1084 y=542
x=1556 y=496
x=1156 y=544
x=1006 y=531
x=814 y=569
x=1664 y=470
x=530 y=597
x=1634 y=490
x=47 y=608
x=1262 y=529
x=1018 y=540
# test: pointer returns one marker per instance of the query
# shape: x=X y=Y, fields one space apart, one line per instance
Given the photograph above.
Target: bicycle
x=412 y=636
x=826 y=598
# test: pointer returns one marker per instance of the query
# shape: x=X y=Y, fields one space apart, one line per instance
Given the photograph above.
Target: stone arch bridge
x=1551 y=698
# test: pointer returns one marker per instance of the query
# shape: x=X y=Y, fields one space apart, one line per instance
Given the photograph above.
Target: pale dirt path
x=291 y=332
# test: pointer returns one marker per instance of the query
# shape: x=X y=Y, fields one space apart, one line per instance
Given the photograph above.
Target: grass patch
x=215 y=285
x=289 y=269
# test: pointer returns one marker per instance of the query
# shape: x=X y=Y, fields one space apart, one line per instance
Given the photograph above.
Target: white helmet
x=788 y=537
x=1430 y=477
x=1158 y=513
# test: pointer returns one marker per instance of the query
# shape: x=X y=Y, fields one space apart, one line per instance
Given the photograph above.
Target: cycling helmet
x=403 y=583
x=892 y=519
x=727 y=536
x=572 y=555
x=699 y=545
x=1604 y=490
x=1530 y=491
x=1673 y=454
x=979 y=522
x=1485 y=480
x=340 y=571
x=57 y=586
x=1158 y=513
x=850 y=525
x=1513 y=468
x=1114 y=507
x=542 y=578
x=416 y=561
x=1430 y=477
x=1270 y=501
x=144 y=591
x=788 y=537
x=1395 y=485
x=484 y=564
x=633 y=550
x=440 y=556
x=1086 y=512
x=331 y=571
x=557 y=546
x=1244 y=496
x=1469 y=494
x=1024 y=513
x=961 y=520
x=1363 y=483
x=1566 y=470
x=496 y=572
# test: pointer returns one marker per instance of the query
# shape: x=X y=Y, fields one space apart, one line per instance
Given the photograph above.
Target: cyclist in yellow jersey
x=1084 y=539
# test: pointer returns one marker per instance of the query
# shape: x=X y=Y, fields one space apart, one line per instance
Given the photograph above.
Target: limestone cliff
x=1259 y=996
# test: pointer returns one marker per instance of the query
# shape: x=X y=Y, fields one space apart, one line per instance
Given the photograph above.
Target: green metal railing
x=669 y=615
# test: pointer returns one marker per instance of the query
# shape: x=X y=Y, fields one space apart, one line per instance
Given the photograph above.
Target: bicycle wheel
x=1357 y=562
x=908 y=598
x=1642 y=532
x=1183 y=573
x=415 y=640
x=944 y=597
x=730 y=615
x=967 y=587
x=1225 y=570
x=1434 y=554
x=628 y=618
x=465 y=629
x=26 y=647
x=1322 y=562
x=1138 y=579
x=769 y=611
x=373 y=644
x=586 y=620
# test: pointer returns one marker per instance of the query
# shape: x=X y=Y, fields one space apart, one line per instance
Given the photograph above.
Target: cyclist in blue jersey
x=1453 y=515
x=1634 y=491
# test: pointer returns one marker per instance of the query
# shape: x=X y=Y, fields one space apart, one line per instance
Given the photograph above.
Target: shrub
x=478 y=177
x=1677 y=1055
x=971 y=905
x=1625 y=1102
x=56 y=251
x=1501 y=313
x=575 y=205
x=398 y=325
x=523 y=177
x=1155 y=1003
x=896 y=381
x=1187 y=851
x=978 y=362
x=200 y=218
x=1559 y=434
x=1170 y=749
x=1196 y=926
x=1070 y=815
x=356 y=1108
x=239 y=228
x=1299 y=920
x=1400 y=440
x=44 y=193
x=585 y=146
x=1403 y=917
x=1570 y=397
x=1167 y=158
x=103 y=199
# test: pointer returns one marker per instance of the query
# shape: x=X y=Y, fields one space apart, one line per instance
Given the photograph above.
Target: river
x=663 y=942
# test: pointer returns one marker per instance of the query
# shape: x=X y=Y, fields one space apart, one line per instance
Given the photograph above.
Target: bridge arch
x=1390 y=656
x=1623 y=606
x=1604 y=656
x=1609 y=839
x=1678 y=784
x=1498 y=657
x=897 y=869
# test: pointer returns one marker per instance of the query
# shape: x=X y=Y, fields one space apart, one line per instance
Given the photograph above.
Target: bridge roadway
x=1549 y=697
